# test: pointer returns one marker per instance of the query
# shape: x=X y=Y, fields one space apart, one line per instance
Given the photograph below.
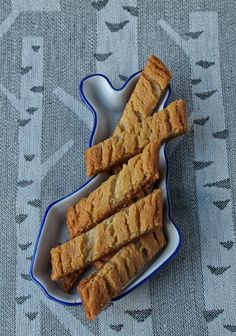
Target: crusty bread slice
x=108 y=236
x=98 y=289
x=163 y=125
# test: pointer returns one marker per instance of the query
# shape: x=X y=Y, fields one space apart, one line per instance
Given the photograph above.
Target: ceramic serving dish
x=106 y=104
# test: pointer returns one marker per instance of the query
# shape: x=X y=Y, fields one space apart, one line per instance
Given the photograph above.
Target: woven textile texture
x=46 y=48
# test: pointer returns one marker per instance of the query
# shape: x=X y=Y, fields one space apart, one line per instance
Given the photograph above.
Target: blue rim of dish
x=172 y=256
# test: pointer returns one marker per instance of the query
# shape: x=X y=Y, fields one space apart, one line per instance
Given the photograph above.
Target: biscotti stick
x=98 y=289
x=108 y=236
x=116 y=192
x=151 y=85
x=163 y=125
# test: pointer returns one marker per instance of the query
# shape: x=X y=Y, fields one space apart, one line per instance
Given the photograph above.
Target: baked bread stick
x=150 y=87
x=116 y=192
x=163 y=125
x=98 y=289
x=108 y=236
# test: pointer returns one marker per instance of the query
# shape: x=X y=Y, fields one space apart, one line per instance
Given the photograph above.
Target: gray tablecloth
x=46 y=47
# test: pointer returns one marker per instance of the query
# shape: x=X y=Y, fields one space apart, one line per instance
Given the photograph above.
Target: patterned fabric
x=46 y=47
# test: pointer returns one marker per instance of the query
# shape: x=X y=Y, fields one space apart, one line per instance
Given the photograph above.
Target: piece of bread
x=98 y=289
x=150 y=87
x=116 y=192
x=108 y=236
x=163 y=125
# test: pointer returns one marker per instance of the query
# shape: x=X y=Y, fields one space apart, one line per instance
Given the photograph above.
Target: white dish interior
x=107 y=104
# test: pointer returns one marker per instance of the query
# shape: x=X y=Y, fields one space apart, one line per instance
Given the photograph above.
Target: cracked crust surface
x=108 y=236
x=98 y=289
x=163 y=125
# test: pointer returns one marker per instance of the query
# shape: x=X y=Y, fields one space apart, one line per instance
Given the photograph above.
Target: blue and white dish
x=106 y=104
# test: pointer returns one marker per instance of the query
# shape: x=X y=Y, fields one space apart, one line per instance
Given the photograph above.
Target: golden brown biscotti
x=163 y=125
x=98 y=289
x=108 y=236
x=151 y=85
x=116 y=192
